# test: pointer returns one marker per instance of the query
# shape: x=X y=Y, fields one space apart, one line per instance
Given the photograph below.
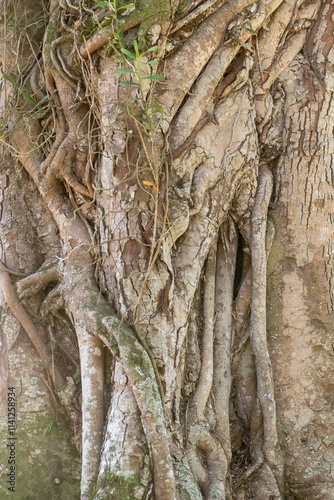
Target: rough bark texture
x=166 y=201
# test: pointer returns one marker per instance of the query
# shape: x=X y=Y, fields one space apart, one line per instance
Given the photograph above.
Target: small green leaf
x=100 y=4
x=250 y=29
x=153 y=77
x=118 y=58
x=31 y=99
x=135 y=44
x=129 y=83
x=157 y=110
x=152 y=63
x=124 y=70
x=141 y=119
x=120 y=35
x=152 y=49
x=9 y=78
x=45 y=98
x=125 y=7
x=131 y=56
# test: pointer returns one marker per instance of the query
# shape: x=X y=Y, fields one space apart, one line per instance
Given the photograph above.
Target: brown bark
x=203 y=374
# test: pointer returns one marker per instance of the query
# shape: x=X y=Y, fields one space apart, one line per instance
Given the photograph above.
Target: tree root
x=289 y=51
x=39 y=94
x=139 y=370
x=226 y=263
x=197 y=50
x=205 y=8
x=199 y=437
x=25 y=321
x=195 y=105
x=258 y=334
x=91 y=362
x=203 y=389
x=36 y=282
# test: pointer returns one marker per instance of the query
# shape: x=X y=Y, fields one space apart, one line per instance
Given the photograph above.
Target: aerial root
x=258 y=333
x=222 y=380
x=196 y=104
x=32 y=284
x=225 y=273
x=199 y=436
x=39 y=94
x=27 y=287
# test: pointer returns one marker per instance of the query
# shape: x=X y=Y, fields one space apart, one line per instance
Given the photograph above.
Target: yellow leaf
x=148 y=183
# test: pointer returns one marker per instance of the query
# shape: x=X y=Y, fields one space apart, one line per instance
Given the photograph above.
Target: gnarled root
x=25 y=321
x=139 y=370
x=37 y=281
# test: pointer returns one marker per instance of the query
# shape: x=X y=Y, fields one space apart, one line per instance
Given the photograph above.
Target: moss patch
x=47 y=464
x=118 y=484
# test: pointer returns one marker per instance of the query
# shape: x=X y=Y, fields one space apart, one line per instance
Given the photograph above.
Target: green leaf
x=124 y=70
x=9 y=78
x=100 y=4
x=129 y=83
x=118 y=58
x=152 y=49
x=141 y=119
x=45 y=98
x=126 y=52
x=250 y=29
x=153 y=77
x=125 y=7
x=31 y=99
x=154 y=105
x=152 y=63
x=135 y=44
x=157 y=110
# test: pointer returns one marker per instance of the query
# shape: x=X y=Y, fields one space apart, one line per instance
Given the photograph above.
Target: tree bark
x=173 y=281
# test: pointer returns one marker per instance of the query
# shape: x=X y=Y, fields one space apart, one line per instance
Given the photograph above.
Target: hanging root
x=258 y=334
x=199 y=436
x=226 y=263
x=203 y=389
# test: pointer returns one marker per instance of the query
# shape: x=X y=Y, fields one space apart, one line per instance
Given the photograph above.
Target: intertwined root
x=206 y=175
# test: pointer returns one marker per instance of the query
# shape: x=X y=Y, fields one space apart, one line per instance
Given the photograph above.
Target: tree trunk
x=166 y=270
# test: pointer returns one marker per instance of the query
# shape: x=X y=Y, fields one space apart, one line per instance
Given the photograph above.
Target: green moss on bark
x=47 y=464
x=118 y=484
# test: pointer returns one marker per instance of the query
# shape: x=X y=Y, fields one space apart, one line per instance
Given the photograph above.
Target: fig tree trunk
x=166 y=249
